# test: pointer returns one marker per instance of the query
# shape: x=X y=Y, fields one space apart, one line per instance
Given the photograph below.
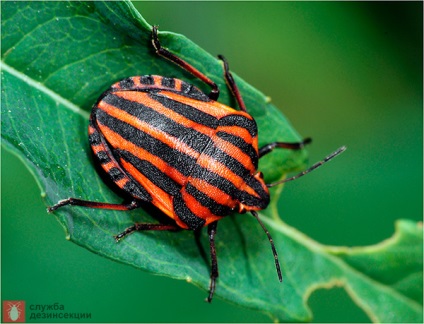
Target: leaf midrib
x=41 y=87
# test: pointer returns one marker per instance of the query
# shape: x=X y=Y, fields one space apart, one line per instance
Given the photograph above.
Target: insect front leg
x=214 y=94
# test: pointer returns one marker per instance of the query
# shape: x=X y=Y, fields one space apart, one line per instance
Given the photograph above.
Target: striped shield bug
x=164 y=141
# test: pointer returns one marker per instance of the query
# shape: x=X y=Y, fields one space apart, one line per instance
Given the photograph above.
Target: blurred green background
x=344 y=73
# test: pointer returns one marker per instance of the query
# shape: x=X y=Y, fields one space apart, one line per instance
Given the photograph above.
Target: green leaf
x=394 y=266
x=58 y=57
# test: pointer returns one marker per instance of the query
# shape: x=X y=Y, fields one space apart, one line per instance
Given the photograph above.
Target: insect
x=164 y=141
x=14 y=311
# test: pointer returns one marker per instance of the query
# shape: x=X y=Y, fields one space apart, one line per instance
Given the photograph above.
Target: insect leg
x=197 y=234
x=214 y=261
x=291 y=146
x=146 y=227
x=93 y=204
x=214 y=94
x=271 y=241
x=232 y=84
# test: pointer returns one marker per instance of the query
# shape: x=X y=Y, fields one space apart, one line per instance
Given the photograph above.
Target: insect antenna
x=274 y=251
x=315 y=166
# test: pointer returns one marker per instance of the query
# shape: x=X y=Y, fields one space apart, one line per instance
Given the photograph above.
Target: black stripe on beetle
x=241 y=144
x=147 y=80
x=187 y=111
x=186 y=215
x=214 y=206
x=168 y=82
x=240 y=121
x=126 y=83
x=155 y=175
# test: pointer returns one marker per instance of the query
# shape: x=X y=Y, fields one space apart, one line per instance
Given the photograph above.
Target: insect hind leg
x=214 y=261
x=94 y=204
x=132 y=205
